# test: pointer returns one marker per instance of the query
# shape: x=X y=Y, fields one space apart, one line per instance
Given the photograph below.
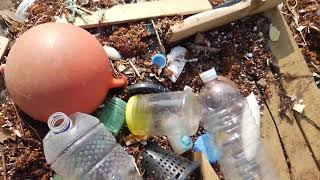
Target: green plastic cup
x=112 y=115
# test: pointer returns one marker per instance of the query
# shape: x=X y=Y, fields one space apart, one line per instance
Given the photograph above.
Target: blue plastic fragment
x=159 y=60
x=205 y=144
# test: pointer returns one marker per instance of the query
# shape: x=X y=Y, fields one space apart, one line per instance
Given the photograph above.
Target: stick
x=163 y=50
x=135 y=69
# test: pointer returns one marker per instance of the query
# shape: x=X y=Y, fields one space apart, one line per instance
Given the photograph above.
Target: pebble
x=318 y=12
x=261 y=34
x=112 y=53
x=262 y=82
x=255 y=28
x=249 y=55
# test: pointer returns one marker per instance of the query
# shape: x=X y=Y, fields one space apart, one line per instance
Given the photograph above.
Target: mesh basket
x=162 y=164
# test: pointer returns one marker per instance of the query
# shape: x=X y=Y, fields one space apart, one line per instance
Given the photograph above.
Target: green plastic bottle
x=112 y=115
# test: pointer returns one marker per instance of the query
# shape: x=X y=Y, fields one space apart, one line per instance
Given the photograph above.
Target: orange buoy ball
x=58 y=67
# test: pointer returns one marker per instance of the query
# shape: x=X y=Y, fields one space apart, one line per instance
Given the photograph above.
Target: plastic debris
x=205 y=144
x=159 y=163
x=159 y=60
x=112 y=53
x=176 y=62
x=172 y=113
x=145 y=88
x=80 y=147
x=274 y=33
x=180 y=143
x=299 y=106
x=113 y=115
x=22 y=10
x=250 y=127
x=232 y=122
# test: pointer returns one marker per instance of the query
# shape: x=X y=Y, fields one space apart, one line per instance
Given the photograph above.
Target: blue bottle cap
x=159 y=60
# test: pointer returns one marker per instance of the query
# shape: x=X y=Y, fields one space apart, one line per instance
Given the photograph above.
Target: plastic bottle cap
x=136 y=121
x=159 y=60
x=208 y=75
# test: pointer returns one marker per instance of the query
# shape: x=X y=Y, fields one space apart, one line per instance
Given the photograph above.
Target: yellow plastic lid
x=136 y=121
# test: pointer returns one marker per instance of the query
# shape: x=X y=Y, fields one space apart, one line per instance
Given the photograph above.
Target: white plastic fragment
x=112 y=53
x=22 y=10
x=274 y=33
x=250 y=128
x=299 y=107
x=176 y=62
x=254 y=107
x=187 y=88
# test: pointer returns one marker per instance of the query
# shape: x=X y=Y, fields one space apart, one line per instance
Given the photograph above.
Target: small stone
x=262 y=82
x=255 y=28
x=318 y=12
x=249 y=55
x=200 y=39
x=261 y=34
x=112 y=53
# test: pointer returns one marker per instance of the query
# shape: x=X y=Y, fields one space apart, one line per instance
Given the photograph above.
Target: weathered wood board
x=300 y=139
x=271 y=139
x=217 y=17
x=132 y=12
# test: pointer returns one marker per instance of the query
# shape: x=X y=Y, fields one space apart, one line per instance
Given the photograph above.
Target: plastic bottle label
x=185 y=141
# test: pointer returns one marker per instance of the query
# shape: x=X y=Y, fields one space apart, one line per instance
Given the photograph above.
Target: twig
x=136 y=166
x=135 y=69
x=318 y=69
x=18 y=116
x=163 y=50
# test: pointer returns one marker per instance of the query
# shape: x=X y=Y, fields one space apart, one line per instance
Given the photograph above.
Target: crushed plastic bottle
x=225 y=112
x=79 y=147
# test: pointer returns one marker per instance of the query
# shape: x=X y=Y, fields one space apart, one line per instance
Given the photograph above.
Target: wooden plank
x=302 y=164
x=137 y=11
x=291 y=61
x=217 y=17
x=207 y=171
x=270 y=139
x=4 y=42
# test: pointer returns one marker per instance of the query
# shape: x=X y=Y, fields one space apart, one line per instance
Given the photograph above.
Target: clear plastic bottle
x=225 y=113
x=80 y=147
x=171 y=114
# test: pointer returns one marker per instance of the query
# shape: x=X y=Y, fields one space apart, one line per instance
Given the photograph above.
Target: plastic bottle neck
x=59 y=122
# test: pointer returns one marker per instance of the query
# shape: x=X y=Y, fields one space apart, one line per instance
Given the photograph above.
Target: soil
x=304 y=15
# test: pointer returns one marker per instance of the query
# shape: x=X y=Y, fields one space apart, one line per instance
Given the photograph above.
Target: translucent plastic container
x=225 y=114
x=80 y=147
x=171 y=114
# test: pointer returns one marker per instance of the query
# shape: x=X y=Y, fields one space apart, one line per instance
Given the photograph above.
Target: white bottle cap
x=208 y=75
